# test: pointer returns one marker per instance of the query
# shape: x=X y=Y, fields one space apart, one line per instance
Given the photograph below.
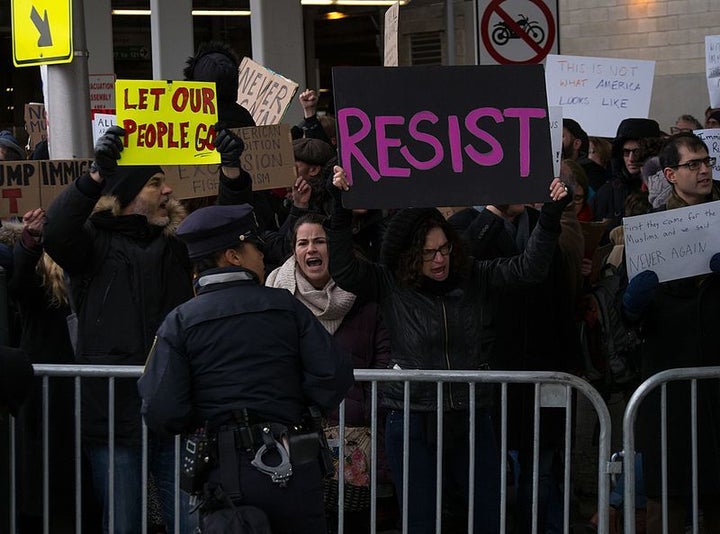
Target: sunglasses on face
x=428 y=254
x=628 y=151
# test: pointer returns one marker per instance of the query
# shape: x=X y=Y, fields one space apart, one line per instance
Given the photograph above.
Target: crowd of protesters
x=115 y=258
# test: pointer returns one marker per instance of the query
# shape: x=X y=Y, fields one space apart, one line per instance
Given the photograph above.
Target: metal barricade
x=661 y=380
x=551 y=389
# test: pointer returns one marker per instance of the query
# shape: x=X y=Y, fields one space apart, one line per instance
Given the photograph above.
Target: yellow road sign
x=41 y=32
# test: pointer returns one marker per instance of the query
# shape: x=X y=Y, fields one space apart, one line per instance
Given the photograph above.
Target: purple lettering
x=384 y=143
x=495 y=155
x=524 y=115
x=423 y=138
x=455 y=148
x=348 y=142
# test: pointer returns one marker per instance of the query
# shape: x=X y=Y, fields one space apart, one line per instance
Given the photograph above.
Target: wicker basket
x=357 y=498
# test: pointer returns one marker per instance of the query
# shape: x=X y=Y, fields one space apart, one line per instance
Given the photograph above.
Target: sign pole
x=68 y=106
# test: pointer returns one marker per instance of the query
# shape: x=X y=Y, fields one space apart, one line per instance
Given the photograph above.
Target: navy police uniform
x=239 y=345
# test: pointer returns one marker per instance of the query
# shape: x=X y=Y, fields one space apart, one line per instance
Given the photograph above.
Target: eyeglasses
x=633 y=151
x=694 y=164
x=428 y=254
x=674 y=130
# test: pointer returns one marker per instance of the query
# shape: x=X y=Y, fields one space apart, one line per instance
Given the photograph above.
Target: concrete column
x=68 y=98
x=99 y=36
x=171 y=26
x=278 y=43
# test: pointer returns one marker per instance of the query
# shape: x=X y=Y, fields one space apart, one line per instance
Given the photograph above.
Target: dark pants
x=296 y=508
x=550 y=498
x=422 y=468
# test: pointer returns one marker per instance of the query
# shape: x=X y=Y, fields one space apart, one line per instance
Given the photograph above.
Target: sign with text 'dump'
x=443 y=136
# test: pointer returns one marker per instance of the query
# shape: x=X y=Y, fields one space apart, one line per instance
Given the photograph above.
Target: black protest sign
x=443 y=136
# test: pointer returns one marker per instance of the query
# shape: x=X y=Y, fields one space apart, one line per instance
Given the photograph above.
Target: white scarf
x=329 y=304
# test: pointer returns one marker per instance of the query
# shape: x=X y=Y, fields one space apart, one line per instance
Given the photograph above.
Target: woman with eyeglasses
x=433 y=298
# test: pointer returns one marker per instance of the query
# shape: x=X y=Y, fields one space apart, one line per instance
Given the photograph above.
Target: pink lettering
x=423 y=138
x=384 y=143
x=348 y=142
x=524 y=115
x=495 y=155
x=454 y=138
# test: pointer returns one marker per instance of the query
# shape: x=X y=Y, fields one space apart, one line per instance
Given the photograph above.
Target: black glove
x=229 y=145
x=107 y=151
x=639 y=293
x=552 y=211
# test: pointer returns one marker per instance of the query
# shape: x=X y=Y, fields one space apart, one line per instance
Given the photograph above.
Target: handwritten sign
x=556 y=130
x=675 y=243
x=167 y=122
x=711 y=137
x=268 y=158
x=390 y=56
x=26 y=185
x=264 y=93
x=100 y=123
x=35 y=123
x=599 y=92
x=486 y=141
x=712 y=67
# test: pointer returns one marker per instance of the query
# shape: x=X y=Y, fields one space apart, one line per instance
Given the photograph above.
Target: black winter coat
x=240 y=345
x=438 y=326
x=680 y=329
x=125 y=276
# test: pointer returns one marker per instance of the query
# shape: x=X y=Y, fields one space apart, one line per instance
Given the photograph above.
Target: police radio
x=194 y=461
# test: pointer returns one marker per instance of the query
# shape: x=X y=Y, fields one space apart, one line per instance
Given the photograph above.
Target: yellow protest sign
x=167 y=122
x=41 y=32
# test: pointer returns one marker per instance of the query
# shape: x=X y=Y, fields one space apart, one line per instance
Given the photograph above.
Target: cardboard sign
x=712 y=68
x=711 y=137
x=390 y=57
x=26 y=185
x=167 y=122
x=675 y=243
x=265 y=94
x=35 y=124
x=485 y=140
x=599 y=92
x=268 y=157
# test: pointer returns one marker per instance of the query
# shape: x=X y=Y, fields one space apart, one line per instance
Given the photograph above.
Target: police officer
x=246 y=361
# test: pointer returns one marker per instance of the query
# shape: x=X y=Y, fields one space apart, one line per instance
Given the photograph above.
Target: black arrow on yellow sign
x=43 y=27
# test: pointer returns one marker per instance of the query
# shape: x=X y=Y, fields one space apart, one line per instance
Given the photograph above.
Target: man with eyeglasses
x=626 y=164
x=679 y=326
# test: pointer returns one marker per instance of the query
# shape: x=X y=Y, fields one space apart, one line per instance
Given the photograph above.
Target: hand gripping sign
x=167 y=122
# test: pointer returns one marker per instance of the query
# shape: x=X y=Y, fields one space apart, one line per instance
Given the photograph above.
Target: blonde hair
x=53 y=280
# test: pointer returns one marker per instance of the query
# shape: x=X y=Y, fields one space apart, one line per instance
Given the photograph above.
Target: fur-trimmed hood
x=176 y=211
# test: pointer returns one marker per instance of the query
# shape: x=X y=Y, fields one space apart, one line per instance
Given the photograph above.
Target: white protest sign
x=599 y=92
x=712 y=67
x=390 y=57
x=101 y=122
x=675 y=243
x=712 y=140
x=555 y=114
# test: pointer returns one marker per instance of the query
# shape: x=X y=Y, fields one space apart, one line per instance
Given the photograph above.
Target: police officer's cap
x=216 y=228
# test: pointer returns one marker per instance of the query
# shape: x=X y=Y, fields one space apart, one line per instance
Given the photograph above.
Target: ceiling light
x=195 y=12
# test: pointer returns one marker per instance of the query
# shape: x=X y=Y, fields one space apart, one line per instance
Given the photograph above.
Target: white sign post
x=675 y=243
x=390 y=56
x=599 y=92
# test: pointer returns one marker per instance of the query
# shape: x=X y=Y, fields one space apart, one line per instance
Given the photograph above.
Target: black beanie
x=215 y=62
x=400 y=232
x=16 y=378
x=128 y=181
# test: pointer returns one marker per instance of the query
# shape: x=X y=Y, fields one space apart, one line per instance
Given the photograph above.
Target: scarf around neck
x=329 y=304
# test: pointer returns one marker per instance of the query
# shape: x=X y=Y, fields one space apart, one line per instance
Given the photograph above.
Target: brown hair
x=603 y=148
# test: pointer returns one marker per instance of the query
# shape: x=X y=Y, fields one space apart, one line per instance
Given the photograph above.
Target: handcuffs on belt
x=281 y=473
